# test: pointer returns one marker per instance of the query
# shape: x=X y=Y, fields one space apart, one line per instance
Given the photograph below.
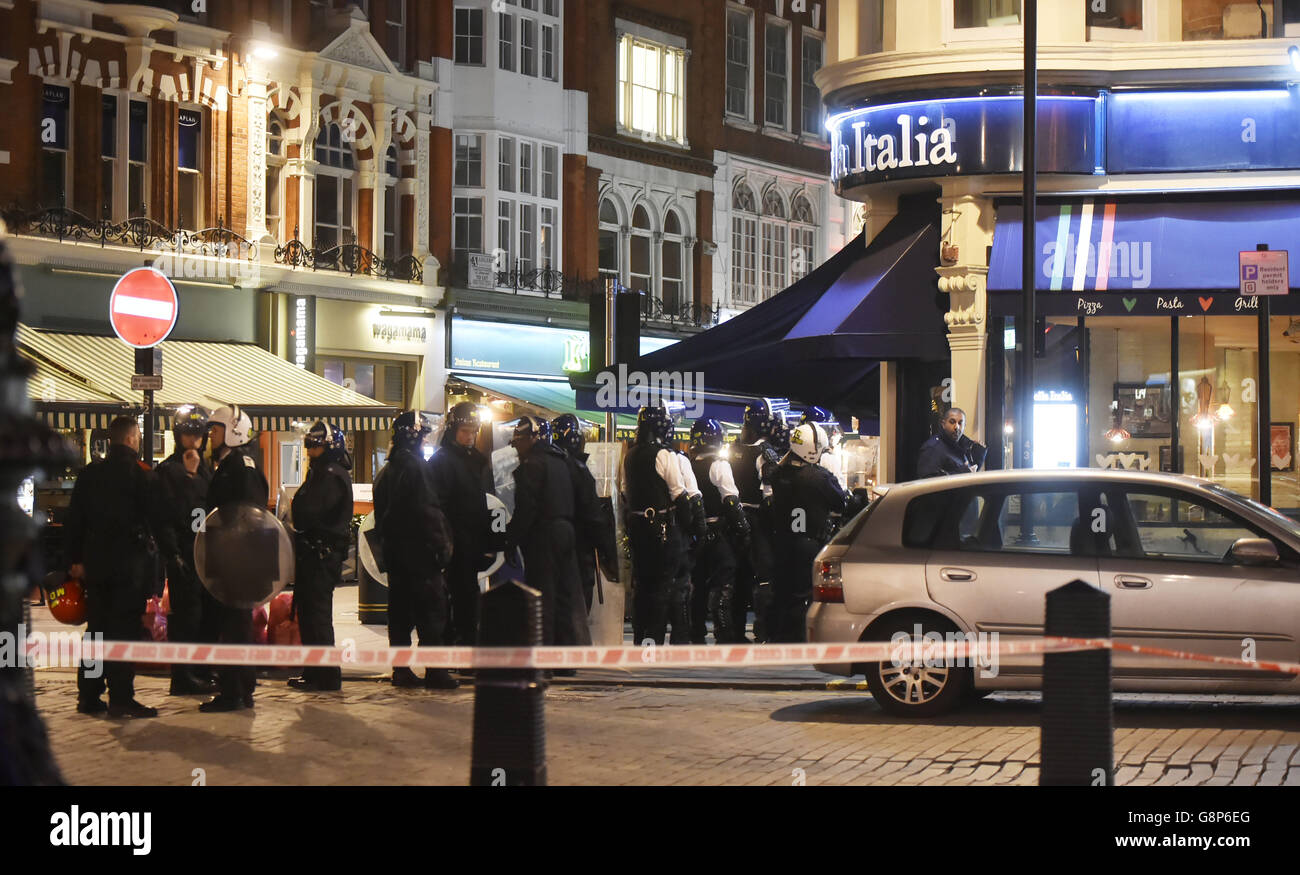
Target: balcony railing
x=675 y=315
x=349 y=258
x=138 y=232
x=545 y=281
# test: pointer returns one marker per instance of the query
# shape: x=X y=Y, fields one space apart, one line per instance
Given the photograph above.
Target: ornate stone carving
x=353 y=48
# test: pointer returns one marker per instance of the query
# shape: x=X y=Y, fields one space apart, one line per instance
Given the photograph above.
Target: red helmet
x=68 y=602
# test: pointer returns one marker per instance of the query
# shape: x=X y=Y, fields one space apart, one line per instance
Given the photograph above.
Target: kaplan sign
x=961 y=136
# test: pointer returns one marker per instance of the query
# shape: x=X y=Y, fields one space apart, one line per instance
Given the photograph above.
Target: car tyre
x=921 y=691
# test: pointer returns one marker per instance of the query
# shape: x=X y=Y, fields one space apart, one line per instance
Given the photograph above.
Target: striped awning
x=273 y=392
x=64 y=401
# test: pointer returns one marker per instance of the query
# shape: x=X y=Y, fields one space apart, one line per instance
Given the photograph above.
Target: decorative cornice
x=675 y=26
x=632 y=151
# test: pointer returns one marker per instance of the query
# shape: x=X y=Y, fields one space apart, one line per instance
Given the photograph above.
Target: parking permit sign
x=1264 y=273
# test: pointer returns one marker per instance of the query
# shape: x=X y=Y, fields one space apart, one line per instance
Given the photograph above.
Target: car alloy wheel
x=916 y=690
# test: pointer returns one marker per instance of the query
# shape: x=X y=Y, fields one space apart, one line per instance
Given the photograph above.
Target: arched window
x=275 y=158
x=638 y=265
x=774 y=243
x=803 y=237
x=744 y=245
x=609 y=262
x=392 y=204
x=335 y=190
x=673 y=267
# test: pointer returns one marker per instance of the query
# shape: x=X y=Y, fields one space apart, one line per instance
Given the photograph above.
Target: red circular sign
x=143 y=308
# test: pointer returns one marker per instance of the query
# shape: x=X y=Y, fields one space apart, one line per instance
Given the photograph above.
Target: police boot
x=187 y=683
x=763 y=596
x=720 y=609
x=404 y=677
x=439 y=679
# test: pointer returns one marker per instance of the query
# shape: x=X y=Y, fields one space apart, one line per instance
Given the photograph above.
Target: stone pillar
x=423 y=193
x=965 y=235
x=255 y=92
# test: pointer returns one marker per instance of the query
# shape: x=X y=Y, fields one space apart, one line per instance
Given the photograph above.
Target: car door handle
x=956 y=574
x=1128 y=581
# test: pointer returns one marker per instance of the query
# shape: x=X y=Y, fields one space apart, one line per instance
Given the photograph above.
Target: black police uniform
x=653 y=536
x=687 y=625
x=113 y=520
x=195 y=614
x=417 y=545
x=238 y=480
x=755 y=565
x=543 y=528
x=714 y=572
x=462 y=477
x=322 y=516
x=594 y=529
x=940 y=456
x=803 y=498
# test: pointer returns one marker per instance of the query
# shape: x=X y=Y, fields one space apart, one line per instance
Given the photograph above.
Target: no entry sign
x=143 y=307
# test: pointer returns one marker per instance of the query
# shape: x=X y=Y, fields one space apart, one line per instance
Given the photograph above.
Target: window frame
x=954 y=34
x=471 y=141
x=529 y=60
x=140 y=167
x=468 y=38
x=748 y=114
x=772 y=22
x=346 y=178
x=109 y=163
x=457 y=214
x=506 y=44
x=549 y=34
x=626 y=86
x=192 y=176
x=805 y=83
x=275 y=164
x=400 y=34
x=744 y=226
x=391 y=184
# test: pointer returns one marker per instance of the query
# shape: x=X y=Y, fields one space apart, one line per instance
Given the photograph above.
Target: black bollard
x=509 y=747
x=1077 y=747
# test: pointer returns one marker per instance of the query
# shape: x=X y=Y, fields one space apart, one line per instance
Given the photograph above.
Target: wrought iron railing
x=349 y=258
x=545 y=281
x=137 y=232
x=677 y=315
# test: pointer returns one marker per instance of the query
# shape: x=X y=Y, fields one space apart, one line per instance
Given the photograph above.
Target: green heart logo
x=1130 y=303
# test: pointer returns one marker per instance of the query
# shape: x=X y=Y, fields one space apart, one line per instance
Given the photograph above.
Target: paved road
x=607 y=733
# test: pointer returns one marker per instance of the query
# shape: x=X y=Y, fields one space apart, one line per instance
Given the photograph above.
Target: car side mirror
x=1253 y=551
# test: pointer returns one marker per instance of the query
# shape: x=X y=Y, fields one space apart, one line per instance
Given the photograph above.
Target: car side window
x=1180 y=525
x=1000 y=520
x=922 y=518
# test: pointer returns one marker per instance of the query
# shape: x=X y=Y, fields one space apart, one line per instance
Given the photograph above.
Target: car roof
x=1040 y=475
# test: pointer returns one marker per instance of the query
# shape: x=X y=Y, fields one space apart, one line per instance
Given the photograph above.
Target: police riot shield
x=284 y=506
x=504 y=463
x=366 y=553
x=500 y=516
x=605 y=461
x=243 y=555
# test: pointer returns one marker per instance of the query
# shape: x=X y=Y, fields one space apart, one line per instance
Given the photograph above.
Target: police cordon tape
x=634 y=657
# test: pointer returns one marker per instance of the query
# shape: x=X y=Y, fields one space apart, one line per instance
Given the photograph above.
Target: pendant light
x=1116 y=434
x=1204 y=420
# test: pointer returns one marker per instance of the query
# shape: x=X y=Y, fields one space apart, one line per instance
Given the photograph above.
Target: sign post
x=1264 y=273
x=143 y=311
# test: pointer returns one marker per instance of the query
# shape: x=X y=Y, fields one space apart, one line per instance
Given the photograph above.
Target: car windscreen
x=1288 y=525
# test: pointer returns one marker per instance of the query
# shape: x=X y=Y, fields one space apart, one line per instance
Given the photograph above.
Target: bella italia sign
x=960 y=136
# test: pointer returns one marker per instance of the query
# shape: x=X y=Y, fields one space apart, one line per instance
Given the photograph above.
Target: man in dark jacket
x=594 y=520
x=109 y=539
x=237 y=481
x=804 y=497
x=322 y=518
x=462 y=477
x=949 y=451
x=416 y=543
x=184 y=478
x=542 y=528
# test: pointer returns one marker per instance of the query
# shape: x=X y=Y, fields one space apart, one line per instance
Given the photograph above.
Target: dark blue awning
x=1128 y=245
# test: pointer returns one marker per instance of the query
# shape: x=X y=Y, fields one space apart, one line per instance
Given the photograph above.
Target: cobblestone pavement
x=608 y=733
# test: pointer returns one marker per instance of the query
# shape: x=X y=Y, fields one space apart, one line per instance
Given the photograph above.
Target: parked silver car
x=1188 y=564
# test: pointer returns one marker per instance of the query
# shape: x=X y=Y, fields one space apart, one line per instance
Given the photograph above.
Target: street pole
x=146 y=439
x=609 y=350
x=1264 y=406
x=1025 y=339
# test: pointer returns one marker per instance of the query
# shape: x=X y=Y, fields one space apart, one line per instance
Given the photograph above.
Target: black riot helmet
x=532 y=426
x=779 y=436
x=707 y=433
x=566 y=431
x=758 y=419
x=409 y=429
x=464 y=413
x=193 y=420
x=653 y=424
x=327 y=435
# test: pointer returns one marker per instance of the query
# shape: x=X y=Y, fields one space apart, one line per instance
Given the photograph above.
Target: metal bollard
x=1078 y=732
x=509 y=743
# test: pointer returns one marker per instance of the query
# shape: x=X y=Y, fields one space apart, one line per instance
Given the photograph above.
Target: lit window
x=652 y=81
x=546 y=238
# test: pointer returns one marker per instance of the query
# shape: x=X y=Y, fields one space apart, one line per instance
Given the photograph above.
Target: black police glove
x=699 y=524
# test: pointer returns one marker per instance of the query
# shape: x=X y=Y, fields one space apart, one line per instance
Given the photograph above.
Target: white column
x=256 y=226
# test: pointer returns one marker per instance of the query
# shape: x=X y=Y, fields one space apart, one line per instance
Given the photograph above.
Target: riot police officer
x=110 y=544
x=752 y=462
x=322 y=518
x=727 y=531
x=416 y=542
x=804 y=495
x=595 y=515
x=542 y=527
x=832 y=459
x=462 y=477
x=654 y=496
x=688 y=625
x=238 y=480
x=184 y=477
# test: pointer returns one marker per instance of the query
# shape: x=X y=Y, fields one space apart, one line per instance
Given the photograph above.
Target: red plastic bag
x=283 y=629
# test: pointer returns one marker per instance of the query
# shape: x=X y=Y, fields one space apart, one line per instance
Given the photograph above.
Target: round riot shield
x=500 y=516
x=284 y=506
x=243 y=555
x=365 y=551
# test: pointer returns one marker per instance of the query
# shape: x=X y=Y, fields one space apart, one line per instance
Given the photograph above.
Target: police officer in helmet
x=238 y=481
x=653 y=496
x=416 y=542
x=322 y=518
x=542 y=527
x=804 y=497
x=595 y=515
x=462 y=477
x=727 y=533
x=753 y=460
x=184 y=477
x=688 y=624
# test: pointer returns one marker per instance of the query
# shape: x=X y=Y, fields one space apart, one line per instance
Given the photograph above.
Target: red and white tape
x=643 y=657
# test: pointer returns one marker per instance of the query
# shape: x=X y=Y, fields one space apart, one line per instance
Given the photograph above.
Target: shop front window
x=1231 y=19
x=986 y=13
x=1284 y=412
x=1218 y=393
